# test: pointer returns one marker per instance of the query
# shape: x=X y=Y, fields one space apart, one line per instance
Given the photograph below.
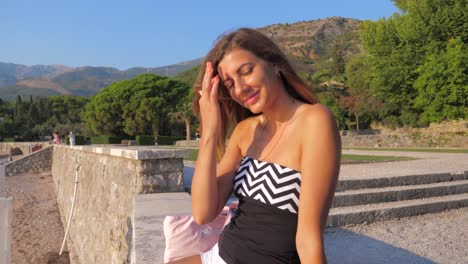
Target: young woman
x=282 y=159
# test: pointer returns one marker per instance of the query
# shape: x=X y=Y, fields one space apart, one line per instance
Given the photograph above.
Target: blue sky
x=148 y=33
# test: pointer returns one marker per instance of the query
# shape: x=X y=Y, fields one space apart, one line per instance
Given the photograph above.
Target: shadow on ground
x=343 y=246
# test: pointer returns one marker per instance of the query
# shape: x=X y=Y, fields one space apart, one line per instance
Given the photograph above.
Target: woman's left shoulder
x=315 y=114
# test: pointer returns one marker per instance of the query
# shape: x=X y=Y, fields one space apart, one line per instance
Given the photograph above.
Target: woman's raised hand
x=209 y=105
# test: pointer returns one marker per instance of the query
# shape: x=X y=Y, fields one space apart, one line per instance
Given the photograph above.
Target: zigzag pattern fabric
x=268 y=183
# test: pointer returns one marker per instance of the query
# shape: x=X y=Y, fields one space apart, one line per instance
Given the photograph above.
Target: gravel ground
x=430 y=238
x=37 y=228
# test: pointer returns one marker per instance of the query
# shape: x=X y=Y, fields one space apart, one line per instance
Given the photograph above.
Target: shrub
x=392 y=122
x=144 y=140
x=168 y=140
x=8 y=140
x=79 y=140
x=106 y=140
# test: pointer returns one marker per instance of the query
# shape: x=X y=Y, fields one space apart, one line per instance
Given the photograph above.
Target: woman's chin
x=255 y=108
x=255 y=111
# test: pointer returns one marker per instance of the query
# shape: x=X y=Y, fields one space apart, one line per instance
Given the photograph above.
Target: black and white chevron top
x=264 y=229
x=268 y=183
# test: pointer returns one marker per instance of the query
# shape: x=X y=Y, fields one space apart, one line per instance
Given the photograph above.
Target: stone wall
x=38 y=161
x=108 y=180
x=452 y=134
x=402 y=140
x=447 y=127
x=25 y=147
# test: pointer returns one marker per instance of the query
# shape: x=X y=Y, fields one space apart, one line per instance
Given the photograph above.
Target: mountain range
x=304 y=42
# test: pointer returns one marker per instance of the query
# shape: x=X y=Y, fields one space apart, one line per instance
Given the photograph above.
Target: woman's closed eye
x=244 y=70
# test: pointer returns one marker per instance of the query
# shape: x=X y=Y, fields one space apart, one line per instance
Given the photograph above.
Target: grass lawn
x=442 y=150
x=349 y=158
x=346 y=158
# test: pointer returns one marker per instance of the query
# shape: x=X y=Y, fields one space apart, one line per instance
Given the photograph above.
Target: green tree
x=134 y=107
x=37 y=117
x=443 y=84
x=332 y=103
x=360 y=102
x=403 y=47
x=184 y=113
x=401 y=4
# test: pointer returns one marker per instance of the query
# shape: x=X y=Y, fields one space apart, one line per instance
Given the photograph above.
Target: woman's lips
x=252 y=99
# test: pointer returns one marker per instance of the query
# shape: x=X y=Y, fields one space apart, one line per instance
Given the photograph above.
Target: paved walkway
x=426 y=163
x=430 y=238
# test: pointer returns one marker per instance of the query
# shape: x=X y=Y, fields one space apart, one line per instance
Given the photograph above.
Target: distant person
x=56 y=138
x=71 y=137
x=197 y=135
x=282 y=159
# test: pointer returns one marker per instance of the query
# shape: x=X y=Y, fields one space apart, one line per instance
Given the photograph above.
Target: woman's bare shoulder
x=315 y=113
x=315 y=120
x=243 y=131
x=247 y=125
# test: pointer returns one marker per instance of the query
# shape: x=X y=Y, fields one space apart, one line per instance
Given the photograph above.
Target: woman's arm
x=320 y=163
x=212 y=185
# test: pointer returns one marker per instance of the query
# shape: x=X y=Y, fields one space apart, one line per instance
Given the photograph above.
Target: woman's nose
x=241 y=87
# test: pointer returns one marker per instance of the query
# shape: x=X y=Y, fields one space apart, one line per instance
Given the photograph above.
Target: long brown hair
x=262 y=47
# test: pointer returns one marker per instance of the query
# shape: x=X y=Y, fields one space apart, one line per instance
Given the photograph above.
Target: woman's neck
x=281 y=111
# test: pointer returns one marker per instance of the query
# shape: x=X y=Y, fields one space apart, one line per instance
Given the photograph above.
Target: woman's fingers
x=210 y=84
x=207 y=78
x=214 y=88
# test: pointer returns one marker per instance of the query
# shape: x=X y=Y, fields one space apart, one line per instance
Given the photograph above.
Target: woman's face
x=251 y=81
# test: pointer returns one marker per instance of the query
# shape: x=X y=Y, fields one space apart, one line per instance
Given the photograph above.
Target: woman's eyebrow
x=238 y=71
x=220 y=73
x=242 y=66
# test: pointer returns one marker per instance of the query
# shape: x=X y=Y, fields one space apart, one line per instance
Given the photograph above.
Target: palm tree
x=184 y=113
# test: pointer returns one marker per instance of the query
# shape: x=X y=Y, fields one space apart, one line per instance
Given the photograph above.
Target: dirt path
x=37 y=228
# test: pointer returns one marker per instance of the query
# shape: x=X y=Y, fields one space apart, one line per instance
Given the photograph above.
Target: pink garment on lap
x=185 y=238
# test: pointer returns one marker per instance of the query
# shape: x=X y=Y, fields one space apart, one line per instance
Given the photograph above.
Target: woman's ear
x=277 y=70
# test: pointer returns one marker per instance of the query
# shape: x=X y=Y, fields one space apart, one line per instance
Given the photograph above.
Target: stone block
x=109 y=179
x=149 y=213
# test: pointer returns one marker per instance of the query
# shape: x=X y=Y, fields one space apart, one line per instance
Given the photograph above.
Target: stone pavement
x=429 y=238
x=426 y=163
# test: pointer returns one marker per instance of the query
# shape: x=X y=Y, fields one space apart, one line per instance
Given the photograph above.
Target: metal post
x=2 y=181
x=5 y=230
